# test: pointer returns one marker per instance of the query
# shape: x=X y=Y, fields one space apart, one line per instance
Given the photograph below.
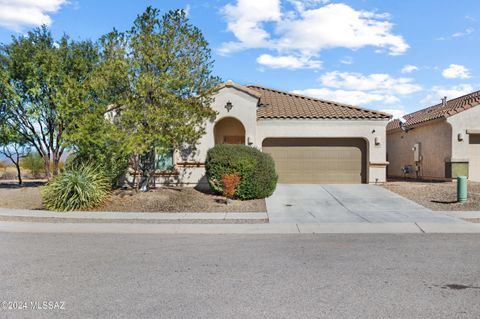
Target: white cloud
x=467 y=31
x=470 y=18
x=361 y=89
x=301 y=5
x=438 y=92
x=338 y=26
x=378 y=82
x=288 y=62
x=16 y=14
x=309 y=29
x=245 y=20
x=409 y=68
x=187 y=9
x=353 y=97
x=347 y=60
x=456 y=71
x=459 y=34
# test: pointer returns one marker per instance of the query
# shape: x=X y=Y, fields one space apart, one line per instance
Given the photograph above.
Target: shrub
x=34 y=163
x=258 y=178
x=230 y=183
x=81 y=187
x=112 y=164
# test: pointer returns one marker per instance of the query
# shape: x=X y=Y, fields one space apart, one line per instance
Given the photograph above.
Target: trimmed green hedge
x=256 y=170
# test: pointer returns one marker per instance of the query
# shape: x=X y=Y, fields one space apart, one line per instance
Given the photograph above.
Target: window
x=163 y=159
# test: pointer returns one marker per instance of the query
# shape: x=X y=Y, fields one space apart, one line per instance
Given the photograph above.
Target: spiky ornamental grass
x=79 y=188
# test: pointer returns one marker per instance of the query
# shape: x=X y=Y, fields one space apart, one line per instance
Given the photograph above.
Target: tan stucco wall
x=461 y=123
x=435 y=148
x=244 y=109
x=367 y=130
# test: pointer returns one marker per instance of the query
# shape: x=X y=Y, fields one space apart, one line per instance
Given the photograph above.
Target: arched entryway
x=229 y=130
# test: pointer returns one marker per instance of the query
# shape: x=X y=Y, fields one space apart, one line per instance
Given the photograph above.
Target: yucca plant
x=82 y=187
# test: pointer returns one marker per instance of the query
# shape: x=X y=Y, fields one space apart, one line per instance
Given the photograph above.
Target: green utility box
x=462 y=189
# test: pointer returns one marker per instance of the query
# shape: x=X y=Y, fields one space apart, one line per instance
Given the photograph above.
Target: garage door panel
x=330 y=161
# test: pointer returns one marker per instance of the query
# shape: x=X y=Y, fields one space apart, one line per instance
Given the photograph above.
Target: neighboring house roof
x=441 y=110
x=275 y=104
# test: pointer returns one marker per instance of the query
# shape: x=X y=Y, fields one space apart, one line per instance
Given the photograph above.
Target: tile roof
x=452 y=107
x=274 y=104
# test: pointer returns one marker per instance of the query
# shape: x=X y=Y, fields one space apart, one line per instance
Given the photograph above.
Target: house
x=310 y=140
x=439 y=142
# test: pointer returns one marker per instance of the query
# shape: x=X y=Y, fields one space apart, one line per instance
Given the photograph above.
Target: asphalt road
x=248 y=276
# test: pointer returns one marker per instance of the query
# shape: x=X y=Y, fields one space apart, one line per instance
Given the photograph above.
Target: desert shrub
x=230 y=183
x=82 y=187
x=112 y=164
x=258 y=178
x=34 y=163
x=3 y=166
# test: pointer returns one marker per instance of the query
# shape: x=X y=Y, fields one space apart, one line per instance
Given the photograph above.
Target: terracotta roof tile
x=452 y=107
x=274 y=104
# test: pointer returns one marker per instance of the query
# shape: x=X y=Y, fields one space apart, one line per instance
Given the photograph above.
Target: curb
x=339 y=228
x=150 y=217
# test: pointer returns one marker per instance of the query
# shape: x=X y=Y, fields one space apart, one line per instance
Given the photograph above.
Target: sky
x=394 y=56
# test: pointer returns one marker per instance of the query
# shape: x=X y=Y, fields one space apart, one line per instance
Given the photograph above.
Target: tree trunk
x=19 y=173
x=136 y=184
x=55 y=161
x=46 y=166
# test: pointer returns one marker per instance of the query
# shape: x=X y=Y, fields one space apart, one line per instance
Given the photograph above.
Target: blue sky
x=397 y=56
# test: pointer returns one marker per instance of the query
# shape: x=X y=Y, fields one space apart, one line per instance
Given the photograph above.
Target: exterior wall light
x=229 y=106
x=460 y=137
x=377 y=140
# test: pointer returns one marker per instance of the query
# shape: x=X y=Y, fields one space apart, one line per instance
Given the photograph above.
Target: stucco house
x=310 y=140
x=439 y=142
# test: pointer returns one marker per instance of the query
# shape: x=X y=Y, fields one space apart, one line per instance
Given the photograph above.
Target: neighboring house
x=310 y=140
x=439 y=142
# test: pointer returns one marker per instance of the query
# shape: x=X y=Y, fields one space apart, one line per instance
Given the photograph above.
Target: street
x=241 y=276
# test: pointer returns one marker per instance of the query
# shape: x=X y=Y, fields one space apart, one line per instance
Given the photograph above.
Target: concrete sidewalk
x=333 y=228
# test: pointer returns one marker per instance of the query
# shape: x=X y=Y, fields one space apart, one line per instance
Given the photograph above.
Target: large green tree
x=13 y=146
x=156 y=80
x=44 y=88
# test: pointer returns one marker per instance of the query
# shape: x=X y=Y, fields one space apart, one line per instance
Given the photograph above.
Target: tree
x=43 y=89
x=14 y=147
x=157 y=79
x=34 y=163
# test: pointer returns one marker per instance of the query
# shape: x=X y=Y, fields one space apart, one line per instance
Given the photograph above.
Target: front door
x=234 y=140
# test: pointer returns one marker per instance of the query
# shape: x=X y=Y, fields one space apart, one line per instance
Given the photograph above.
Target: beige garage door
x=315 y=160
x=474 y=158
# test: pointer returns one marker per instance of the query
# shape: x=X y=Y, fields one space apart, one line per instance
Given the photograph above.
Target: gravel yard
x=172 y=199
x=440 y=196
x=177 y=199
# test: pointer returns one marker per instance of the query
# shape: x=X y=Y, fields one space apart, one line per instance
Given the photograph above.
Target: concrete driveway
x=316 y=203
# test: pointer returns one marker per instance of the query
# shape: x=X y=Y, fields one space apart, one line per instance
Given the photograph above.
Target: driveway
x=316 y=203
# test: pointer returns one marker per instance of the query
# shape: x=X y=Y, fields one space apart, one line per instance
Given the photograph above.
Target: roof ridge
x=465 y=96
x=320 y=100
x=442 y=110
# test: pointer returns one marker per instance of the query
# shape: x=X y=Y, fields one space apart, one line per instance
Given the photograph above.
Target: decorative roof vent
x=444 y=101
